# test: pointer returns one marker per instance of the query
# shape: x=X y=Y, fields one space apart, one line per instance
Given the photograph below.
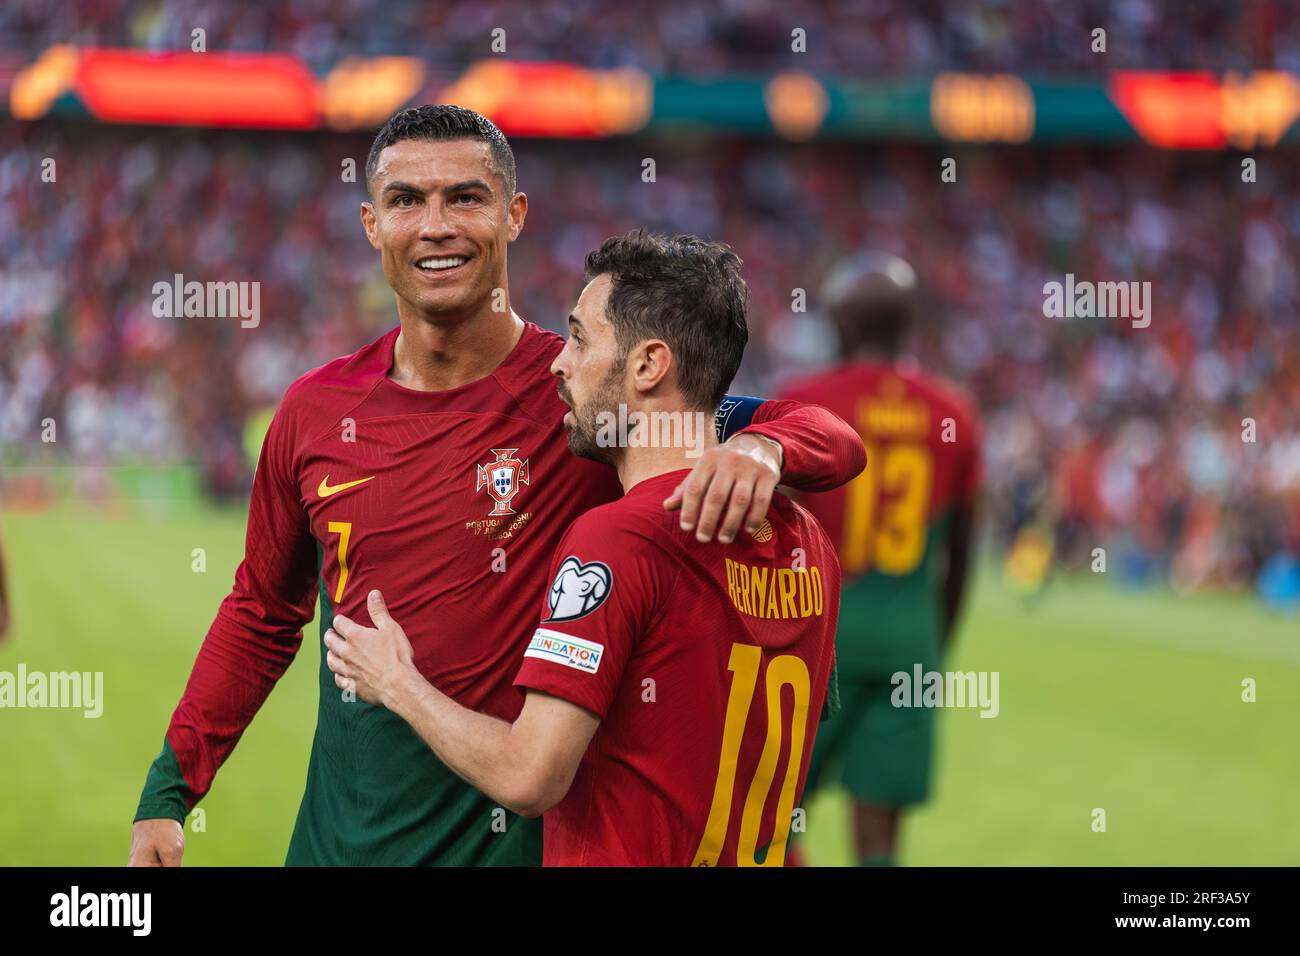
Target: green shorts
x=882 y=754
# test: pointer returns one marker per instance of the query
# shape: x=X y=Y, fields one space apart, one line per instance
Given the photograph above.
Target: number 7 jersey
x=708 y=666
x=452 y=503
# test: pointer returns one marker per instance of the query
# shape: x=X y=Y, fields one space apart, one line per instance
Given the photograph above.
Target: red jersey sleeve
x=252 y=641
x=608 y=582
x=819 y=449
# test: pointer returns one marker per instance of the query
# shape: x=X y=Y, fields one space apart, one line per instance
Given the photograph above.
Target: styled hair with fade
x=686 y=291
x=435 y=123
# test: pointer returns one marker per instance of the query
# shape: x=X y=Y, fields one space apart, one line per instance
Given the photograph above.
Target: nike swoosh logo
x=325 y=490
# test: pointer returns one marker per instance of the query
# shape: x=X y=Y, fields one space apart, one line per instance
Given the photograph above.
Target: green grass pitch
x=1126 y=701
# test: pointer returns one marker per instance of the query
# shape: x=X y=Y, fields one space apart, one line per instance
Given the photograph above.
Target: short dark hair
x=444 y=122
x=871 y=300
x=686 y=291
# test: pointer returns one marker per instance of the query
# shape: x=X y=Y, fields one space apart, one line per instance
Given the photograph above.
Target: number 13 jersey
x=892 y=523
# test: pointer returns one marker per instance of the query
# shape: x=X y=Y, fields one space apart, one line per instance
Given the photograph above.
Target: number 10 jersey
x=708 y=666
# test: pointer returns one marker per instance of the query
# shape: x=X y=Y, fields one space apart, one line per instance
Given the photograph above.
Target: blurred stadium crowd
x=1106 y=434
x=882 y=36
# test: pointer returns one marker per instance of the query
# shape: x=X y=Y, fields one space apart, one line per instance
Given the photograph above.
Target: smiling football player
x=673 y=688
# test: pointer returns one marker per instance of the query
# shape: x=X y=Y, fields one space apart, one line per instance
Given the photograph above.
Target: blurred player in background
x=903 y=528
x=671 y=659
x=432 y=462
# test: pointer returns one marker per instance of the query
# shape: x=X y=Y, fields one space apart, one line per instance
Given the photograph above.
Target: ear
x=518 y=212
x=650 y=362
x=370 y=224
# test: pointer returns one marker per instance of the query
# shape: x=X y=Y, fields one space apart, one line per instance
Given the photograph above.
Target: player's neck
x=429 y=357
x=875 y=355
x=669 y=442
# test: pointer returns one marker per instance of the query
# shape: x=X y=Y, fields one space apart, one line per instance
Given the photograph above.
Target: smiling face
x=441 y=222
x=591 y=370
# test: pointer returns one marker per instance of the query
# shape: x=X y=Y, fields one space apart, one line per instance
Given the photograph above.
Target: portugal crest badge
x=502 y=477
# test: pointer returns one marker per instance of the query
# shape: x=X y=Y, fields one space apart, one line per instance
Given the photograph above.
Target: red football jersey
x=452 y=503
x=922 y=437
x=892 y=524
x=708 y=666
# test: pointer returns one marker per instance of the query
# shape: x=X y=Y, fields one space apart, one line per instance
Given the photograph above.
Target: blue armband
x=735 y=412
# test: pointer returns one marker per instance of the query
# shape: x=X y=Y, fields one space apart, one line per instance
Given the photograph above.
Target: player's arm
x=252 y=641
x=764 y=443
x=820 y=451
x=960 y=537
x=526 y=766
x=961 y=534
x=606 y=583
x=4 y=597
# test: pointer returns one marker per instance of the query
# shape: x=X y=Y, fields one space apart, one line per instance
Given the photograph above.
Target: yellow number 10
x=746 y=659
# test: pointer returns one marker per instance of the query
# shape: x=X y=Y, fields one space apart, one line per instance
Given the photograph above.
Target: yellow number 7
x=344 y=530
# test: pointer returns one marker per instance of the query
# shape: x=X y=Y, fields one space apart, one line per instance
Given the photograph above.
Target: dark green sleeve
x=165 y=790
x=832 y=705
